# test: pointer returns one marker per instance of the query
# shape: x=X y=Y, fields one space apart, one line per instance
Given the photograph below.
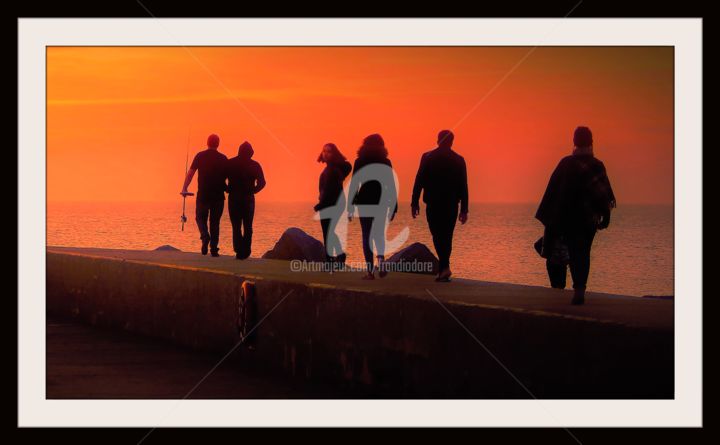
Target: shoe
x=368 y=276
x=444 y=276
x=329 y=264
x=341 y=261
x=204 y=248
x=215 y=253
x=579 y=297
x=382 y=269
x=239 y=257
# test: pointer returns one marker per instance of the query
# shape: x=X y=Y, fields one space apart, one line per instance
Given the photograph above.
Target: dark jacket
x=369 y=192
x=331 y=184
x=443 y=177
x=245 y=176
x=578 y=195
x=210 y=165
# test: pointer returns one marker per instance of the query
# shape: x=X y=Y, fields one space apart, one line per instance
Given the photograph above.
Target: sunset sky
x=119 y=118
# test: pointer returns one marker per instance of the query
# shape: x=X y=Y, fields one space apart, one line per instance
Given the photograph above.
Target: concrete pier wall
x=385 y=345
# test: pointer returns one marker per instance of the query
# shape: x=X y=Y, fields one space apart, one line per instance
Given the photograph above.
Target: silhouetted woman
x=577 y=202
x=332 y=200
x=379 y=192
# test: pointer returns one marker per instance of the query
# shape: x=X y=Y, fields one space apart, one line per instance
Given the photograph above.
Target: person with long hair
x=332 y=201
x=374 y=192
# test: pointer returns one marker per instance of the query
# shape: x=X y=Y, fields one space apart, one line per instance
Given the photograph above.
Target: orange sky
x=118 y=118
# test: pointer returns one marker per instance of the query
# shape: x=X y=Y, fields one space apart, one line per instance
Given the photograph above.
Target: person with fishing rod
x=210 y=201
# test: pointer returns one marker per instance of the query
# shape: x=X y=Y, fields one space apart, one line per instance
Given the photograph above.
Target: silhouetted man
x=210 y=200
x=443 y=177
x=245 y=178
x=577 y=202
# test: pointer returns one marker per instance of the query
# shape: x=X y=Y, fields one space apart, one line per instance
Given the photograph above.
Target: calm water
x=634 y=256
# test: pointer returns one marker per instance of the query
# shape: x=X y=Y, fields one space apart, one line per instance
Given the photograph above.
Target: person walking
x=331 y=202
x=245 y=179
x=372 y=188
x=577 y=202
x=210 y=199
x=442 y=178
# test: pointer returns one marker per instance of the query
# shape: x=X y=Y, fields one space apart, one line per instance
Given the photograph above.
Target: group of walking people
x=441 y=178
x=577 y=202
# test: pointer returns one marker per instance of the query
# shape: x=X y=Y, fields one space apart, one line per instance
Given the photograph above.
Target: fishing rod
x=183 y=218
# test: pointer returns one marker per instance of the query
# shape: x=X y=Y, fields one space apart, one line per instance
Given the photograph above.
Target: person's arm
x=189 y=176
x=392 y=191
x=463 y=194
x=226 y=175
x=417 y=188
x=328 y=190
x=609 y=204
x=321 y=201
x=549 y=211
x=352 y=191
x=260 y=180
x=188 y=180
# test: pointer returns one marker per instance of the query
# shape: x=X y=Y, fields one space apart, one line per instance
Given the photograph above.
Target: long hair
x=373 y=146
x=336 y=155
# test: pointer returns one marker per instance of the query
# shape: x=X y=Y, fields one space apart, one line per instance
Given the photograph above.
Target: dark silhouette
x=332 y=198
x=245 y=179
x=380 y=193
x=210 y=201
x=577 y=202
x=556 y=263
x=442 y=176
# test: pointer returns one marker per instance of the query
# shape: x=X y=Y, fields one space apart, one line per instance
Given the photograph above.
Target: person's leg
x=432 y=220
x=442 y=225
x=557 y=274
x=579 y=246
x=236 y=222
x=325 y=225
x=201 y=218
x=216 y=211
x=378 y=239
x=448 y=230
x=366 y=226
x=247 y=215
x=334 y=240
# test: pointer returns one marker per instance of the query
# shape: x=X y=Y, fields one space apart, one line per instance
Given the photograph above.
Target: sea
x=634 y=256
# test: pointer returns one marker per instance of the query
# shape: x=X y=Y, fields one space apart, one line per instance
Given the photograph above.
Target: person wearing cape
x=577 y=202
